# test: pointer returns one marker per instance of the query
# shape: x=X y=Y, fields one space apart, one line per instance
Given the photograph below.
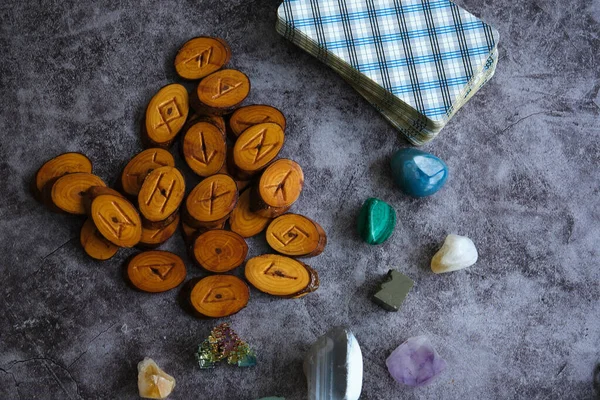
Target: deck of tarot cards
x=416 y=61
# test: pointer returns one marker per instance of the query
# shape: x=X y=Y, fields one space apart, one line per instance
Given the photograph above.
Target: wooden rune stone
x=256 y=147
x=117 y=220
x=209 y=204
x=156 y=271
x=66 y=163
x=277 y=189
x=219 y=296
x=68 y=192
x=94 y=244
x=393 y=291
x=296 y=235
x=141 y=165
x=204 y=148
x=161 y=194
x=247 y=116
x=219 y=250
x=165 y=116
x=221 y=92
x=201 y=56
x=281 y=276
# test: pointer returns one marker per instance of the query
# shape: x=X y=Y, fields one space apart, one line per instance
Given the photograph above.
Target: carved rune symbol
x=168 y=111
x=161 y=271
x=203 y=157
x=290 y=235
x=219 y=294
x=258 y=146
x=272 y=270
x=165 y=193
x=118 y=222
x=225 y=86
x=212 y=196
x=280 y=187
x=202 y=58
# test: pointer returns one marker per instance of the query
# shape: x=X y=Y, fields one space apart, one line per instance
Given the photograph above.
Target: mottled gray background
x=523 y=323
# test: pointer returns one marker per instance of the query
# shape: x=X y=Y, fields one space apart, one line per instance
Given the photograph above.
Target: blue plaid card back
x=423 y=52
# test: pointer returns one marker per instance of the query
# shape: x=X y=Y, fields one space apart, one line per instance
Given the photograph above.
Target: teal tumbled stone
x=418 y=173
x=376 y=221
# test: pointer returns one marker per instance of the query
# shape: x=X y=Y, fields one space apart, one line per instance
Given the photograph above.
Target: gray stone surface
x=524 y=322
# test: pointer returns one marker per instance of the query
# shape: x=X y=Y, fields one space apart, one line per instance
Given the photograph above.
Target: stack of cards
x=416 y=61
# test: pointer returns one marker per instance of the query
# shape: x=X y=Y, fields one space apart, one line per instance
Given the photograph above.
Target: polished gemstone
x=393 y=290
x=415 y=362
x=153 y=382
x=457 y=252
x=418 y=173
x=376 y=221
x=334 y=367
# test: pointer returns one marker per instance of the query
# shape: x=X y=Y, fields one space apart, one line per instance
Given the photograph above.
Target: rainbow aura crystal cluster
x=223 y=343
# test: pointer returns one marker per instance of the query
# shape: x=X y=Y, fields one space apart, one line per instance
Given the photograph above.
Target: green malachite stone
x=376 y=221
x=393 y=291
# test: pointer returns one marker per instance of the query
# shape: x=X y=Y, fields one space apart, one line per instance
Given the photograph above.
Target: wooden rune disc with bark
x=219 y=250
x=277 y=189
x=216 y=120
x=94 y=192
x=219 y=296
x=247 y=116
x=209 y=204
x=94 y=244
x=66 y=163
x=245 y=222
x=281 y=276
x=117 y=220
x=221 y=92
x=141 y=165
x=256 y=147
x=201 y=56
x=154 y=237
x=161 y=194
x=156 y=271
x=296 y=235
x=68 y=192
x=165 y=116
x=204 y=149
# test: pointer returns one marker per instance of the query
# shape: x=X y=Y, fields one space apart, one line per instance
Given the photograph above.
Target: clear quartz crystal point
x=333 y=367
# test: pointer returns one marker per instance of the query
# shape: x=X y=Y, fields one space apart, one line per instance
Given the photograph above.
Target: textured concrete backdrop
x=523 y=323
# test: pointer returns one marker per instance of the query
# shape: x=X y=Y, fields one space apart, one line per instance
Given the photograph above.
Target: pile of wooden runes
x=245 y=187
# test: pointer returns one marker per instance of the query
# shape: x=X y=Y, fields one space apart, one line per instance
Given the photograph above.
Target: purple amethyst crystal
x=415 y=362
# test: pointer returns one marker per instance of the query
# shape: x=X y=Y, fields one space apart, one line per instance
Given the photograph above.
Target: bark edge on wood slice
x=296 y=235
x=255 y=148
x=219 y=250
x=277 y=189
x=209 y=204
x=68 y=192
x=247 y=116
x=161 y=194
x=141 y=165
x=54 y=168
x=94 y=244
x=117 y=220
x=204 y=149
x=154 y=237
x=201 y=56
x=245 y=222
x=220 y=92
x=281 y=276
x=166 y=114
x=219 y=296
x=155 y=271
x=95 y=191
